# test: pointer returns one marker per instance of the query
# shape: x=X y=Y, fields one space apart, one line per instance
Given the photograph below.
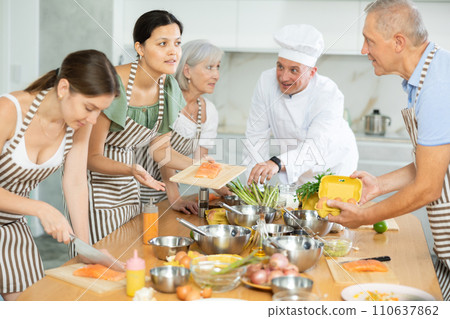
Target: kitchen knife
x=382 y=258
x=95 y=255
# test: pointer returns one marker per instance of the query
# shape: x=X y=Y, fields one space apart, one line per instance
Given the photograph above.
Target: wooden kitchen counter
x=407 y=247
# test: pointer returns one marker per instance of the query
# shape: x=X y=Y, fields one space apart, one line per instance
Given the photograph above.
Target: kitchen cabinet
x=380 y=155
x=248 y=25
x=338 y=22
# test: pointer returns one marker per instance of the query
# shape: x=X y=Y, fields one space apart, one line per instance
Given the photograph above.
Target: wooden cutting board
x=228 y=173
x=99 y=286
x=342 y=276
x=391 y=223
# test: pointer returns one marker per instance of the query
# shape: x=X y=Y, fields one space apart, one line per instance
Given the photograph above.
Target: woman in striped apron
x=35 y=141
x=139 y=117
x=196 y=125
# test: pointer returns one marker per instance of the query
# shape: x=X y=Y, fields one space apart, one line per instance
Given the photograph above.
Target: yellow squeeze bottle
x=135 y=274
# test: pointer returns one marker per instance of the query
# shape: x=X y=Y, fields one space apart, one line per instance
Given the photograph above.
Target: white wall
x=20 y=43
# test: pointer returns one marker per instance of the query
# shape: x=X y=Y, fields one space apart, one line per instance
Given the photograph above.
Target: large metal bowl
x=302 y=251
x=309 y=218
x=165 y=246
x=250 y=214
x=223 y=239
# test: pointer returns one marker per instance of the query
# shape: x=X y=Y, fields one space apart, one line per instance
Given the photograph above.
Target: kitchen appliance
x=375 y=123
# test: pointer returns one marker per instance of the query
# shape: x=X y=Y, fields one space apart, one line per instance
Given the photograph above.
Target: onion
x=252 y=268
x=259 y=277
x=278 y=261
x=275 y=274
x=291 y=272
x=291 y=267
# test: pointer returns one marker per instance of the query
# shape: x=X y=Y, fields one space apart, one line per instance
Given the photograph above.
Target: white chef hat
x=301 y=43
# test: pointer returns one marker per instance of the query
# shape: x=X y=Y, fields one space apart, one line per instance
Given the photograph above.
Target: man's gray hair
x=195 y=52
x=399 y=16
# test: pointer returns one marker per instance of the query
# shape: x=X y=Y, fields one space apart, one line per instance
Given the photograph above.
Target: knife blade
x=95 y=255
x=381 y=258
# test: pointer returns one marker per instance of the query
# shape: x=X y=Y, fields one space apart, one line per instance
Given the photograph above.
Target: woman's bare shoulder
x=8 y=115
x=124 y=71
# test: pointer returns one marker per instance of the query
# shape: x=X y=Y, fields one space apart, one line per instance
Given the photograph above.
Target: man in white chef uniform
x=303 y=111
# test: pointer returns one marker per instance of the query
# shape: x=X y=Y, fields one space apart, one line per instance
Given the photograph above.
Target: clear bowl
x=203 y=271
x=337 y=246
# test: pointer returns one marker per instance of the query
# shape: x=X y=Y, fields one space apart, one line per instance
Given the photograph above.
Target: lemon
x=380 y=227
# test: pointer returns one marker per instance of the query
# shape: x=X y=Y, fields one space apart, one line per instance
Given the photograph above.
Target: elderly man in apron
x=396 y=42
x=302 y=110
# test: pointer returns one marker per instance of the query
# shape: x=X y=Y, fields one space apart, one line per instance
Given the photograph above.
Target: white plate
x=403 y=293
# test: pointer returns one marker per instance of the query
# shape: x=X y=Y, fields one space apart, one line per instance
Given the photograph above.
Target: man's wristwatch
x=277 y=161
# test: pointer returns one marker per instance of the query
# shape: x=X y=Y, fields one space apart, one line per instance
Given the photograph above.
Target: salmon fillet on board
x=99 y=271
x=365 y=266
x=208 y=170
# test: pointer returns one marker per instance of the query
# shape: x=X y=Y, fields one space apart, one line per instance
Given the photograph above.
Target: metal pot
x=375 y=123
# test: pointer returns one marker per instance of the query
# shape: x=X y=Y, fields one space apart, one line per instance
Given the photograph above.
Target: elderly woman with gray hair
x=196 y=125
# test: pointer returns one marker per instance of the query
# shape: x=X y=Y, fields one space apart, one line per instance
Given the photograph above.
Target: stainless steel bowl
x=309 y=218
x=276 y=229
x=295 y=295
x=302 y=251
x=168 y=278
x=232 y=200
x=223 y=239
x=290 y=283
x=166 y=246
x=250 y=214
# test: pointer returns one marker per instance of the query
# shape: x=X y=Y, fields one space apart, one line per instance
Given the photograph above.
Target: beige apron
x=439 y=210
x=114 y=200
x=20 y=262
x=183 y=145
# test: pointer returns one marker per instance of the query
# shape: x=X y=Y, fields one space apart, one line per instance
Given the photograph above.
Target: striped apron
x=20 y=262
x=183 y=145
x=438 y=210
x=114 y=200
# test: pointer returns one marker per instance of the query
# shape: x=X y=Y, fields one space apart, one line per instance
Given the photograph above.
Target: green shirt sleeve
x=117 y=111
x=173 y=103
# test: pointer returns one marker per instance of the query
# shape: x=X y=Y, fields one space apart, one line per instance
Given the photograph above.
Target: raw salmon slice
x=99 y=271
x=365 y=265
x=208 y=170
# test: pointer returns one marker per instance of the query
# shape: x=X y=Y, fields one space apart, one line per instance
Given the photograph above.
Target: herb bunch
x=310 y=188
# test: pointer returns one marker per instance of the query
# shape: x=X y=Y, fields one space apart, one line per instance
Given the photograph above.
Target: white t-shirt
x=187 y=128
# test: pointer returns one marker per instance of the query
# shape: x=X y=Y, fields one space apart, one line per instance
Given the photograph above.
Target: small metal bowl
x=308 y=218
x=291 y=283
x=166 y=246
x=276 y=229
x=295 y=295
x=232 y=200
x=168 y=278
x=250 y=214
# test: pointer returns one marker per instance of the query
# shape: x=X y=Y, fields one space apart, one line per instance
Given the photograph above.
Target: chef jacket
x=308 y=129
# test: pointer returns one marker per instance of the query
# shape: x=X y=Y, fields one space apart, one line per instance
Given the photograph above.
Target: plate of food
x=384 y=292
